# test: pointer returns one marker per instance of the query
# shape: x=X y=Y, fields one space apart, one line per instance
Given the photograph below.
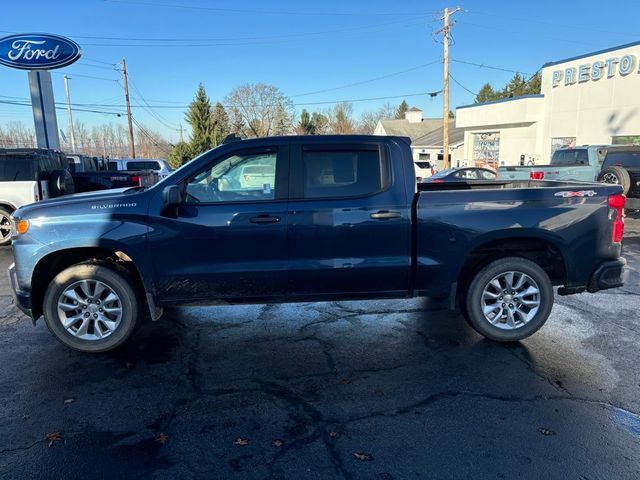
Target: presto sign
x=592 y=72
x=38 y=51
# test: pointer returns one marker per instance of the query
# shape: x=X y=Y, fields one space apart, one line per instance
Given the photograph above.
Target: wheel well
x=539 y=251
x=8 y=206
x=47 y=268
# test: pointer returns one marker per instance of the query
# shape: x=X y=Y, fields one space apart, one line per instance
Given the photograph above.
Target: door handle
x=385 y=215
x=260 y=219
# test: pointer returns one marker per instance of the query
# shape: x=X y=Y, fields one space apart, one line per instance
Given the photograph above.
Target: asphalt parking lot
x=372 y=390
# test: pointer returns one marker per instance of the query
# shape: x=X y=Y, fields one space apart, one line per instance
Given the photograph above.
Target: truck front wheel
x=91 y=308
x=509 y=299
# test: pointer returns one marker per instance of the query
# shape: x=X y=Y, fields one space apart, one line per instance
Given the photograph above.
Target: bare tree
x=259 y=110
x=369 y=120
x=17 y=135
x=341 y=118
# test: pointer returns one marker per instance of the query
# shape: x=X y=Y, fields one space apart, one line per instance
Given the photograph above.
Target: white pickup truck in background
x=159 y=165
x=28 y=176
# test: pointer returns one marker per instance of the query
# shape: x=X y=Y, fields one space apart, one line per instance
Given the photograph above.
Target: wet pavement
x=371 y=390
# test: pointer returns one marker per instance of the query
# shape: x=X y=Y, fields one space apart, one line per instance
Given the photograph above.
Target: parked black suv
x=622 y=167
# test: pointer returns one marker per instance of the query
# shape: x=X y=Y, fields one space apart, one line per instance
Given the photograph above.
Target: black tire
x=119 y=284
x=500 y=330
x=61 y=183
x=5 y=226
x=616 y=176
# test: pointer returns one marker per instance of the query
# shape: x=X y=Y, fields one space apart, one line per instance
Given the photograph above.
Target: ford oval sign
x=38 y=51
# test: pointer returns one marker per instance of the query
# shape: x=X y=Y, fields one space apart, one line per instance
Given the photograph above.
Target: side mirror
x=171 y=196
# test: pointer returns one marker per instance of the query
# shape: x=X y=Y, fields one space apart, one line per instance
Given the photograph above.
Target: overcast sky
x=301 y=47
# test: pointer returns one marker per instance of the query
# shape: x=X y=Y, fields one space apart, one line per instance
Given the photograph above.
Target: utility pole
x=445 y=115
x=132 y=146
x=71 y=129
x=181 y=130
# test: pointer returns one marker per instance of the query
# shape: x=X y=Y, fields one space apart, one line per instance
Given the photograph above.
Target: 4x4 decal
x=579 y=193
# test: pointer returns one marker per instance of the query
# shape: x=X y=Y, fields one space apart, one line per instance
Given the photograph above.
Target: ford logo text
x=38 y=51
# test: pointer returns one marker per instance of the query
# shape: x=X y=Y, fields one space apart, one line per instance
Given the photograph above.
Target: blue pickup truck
x=580 y=164
x=306 y=218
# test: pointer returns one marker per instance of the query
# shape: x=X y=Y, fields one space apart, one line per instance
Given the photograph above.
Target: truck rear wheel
x=509 y=299
x=91 y=308
x=616 y=175
x=5 y=226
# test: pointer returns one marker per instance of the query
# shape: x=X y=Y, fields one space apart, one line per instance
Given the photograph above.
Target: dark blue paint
x=38 y=51
x=320 y=249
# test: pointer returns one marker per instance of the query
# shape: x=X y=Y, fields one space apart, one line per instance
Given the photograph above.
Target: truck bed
x=452 y=222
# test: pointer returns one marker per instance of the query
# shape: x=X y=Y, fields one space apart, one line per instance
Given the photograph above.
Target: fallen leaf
x=241 y=442
x=69 y=400
x=545 y=431
x=345 y=381
x=53 y=437
x=162 y=438
x=363 y=457
x=333 y=434
x=380 y=393
x=277 y=443
x=129 y=364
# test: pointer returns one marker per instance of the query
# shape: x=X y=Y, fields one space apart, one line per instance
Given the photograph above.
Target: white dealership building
x=589 y=99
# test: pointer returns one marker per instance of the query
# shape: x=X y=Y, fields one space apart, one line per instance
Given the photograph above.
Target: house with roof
x=426 y=136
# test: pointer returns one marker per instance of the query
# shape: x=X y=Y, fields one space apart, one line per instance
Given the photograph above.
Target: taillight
x=136 y=179
x=536 y=175
x=616 y=202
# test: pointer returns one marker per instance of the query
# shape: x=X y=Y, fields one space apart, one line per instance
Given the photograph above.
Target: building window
x=562 y=142
x=424 y=156
x=626 y=140
x=486 y=147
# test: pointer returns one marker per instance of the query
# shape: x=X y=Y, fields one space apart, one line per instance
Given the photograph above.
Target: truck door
x=228 y=240
x=349 y=228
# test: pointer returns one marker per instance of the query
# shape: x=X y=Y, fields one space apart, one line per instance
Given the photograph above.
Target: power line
x=59 y=107
x=270 y=12
x=564 y=25
x=87 y=76
x=362 y=82
x=459 y=84
x=149 y=109
x=483 y=65
x=150 y=137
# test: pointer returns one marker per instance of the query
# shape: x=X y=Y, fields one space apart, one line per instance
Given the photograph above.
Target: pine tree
x=515 y=88
x=534 y=85
x=402 y=109
x=180 y=154
x=305 y=125
x=320 y=123
x=219 y=125
x=486 y=94
x=199 y=117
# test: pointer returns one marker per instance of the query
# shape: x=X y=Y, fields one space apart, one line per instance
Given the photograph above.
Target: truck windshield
x=574 y=156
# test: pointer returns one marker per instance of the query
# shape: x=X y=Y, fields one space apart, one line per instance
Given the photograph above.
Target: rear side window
x=570 y=157
x=624 y=159
x=16 y=169
x=342 y=173
x=143 y=165
x=113 y=166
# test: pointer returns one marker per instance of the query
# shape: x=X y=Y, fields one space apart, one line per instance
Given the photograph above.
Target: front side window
x=239 y=178
x=341 y=173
